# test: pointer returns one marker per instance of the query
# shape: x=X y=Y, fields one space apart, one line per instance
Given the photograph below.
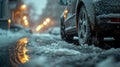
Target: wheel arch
x=90 y=11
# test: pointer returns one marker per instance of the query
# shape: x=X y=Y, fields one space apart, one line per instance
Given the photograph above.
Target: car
x=19 y=28
x=4 y=24
x=54 y=31
x=90 y=20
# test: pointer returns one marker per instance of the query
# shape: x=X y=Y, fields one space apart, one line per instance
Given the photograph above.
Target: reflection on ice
x=20 y=52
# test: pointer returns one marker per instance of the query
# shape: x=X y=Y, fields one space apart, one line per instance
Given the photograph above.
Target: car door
x=70 y=22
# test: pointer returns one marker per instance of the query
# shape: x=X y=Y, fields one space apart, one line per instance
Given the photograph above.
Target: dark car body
x=4 y=24
x=103 y=17
x=19 y=28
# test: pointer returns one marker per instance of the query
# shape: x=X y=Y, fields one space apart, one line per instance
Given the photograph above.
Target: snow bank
x=54 y=49
x=8 y=37
x=45 y=52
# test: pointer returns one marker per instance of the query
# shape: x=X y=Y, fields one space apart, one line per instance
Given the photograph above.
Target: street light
x=39 y=27
x=24 y=17
x=48 y=20
x=9 y=22
x=23 y=7
x=45 y=23
x=26 y=22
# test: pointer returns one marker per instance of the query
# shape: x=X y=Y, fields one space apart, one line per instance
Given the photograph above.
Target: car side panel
x=70 y=22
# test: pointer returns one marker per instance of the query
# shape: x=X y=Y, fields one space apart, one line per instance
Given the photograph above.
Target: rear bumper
x=104 y=24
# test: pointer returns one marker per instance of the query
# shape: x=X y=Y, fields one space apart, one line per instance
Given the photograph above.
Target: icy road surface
x=7 y=37
x=47 y=50
x=7 y=40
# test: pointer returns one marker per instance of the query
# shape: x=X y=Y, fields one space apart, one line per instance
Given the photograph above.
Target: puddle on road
x=19 y=54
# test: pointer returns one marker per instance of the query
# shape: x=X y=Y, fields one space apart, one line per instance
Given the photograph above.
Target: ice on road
x=8 y=37
x=46 y=50
x=50 y=51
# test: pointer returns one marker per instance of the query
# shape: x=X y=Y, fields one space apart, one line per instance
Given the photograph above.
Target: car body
x=19 y=28
x=4 y=24
x=54 y=31
x=90 y=20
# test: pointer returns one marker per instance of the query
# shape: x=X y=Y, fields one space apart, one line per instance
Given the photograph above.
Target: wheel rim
x=82 y=28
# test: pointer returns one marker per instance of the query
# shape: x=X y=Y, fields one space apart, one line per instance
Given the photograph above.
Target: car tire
x=85 y=33
x=84 y=29
x=64 y=36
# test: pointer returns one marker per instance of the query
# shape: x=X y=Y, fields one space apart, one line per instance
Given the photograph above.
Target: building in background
x=5 y=14
x=13 y=12
x=4 y=9
x=21 y=15
x=52 y=11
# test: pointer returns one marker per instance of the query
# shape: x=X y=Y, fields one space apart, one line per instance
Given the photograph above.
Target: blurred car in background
x=19 y=28
x=54 y=30
x=4 y=24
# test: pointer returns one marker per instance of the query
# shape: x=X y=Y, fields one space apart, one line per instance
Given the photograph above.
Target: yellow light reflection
x=22 y=50
x=65 y=13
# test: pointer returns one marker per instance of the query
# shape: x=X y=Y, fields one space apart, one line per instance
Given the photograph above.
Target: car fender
x=90 y=11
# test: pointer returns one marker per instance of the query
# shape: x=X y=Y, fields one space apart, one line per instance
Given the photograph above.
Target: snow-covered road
x=7 y=37
x=47 y=50
x=7 y=40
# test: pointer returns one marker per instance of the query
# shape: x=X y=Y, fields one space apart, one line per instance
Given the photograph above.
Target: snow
x=57 y=53
x=46 y=50
x=96 y=1
x=54 y=30
x=106 y=6
x=107 y=63
x=7 y=37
